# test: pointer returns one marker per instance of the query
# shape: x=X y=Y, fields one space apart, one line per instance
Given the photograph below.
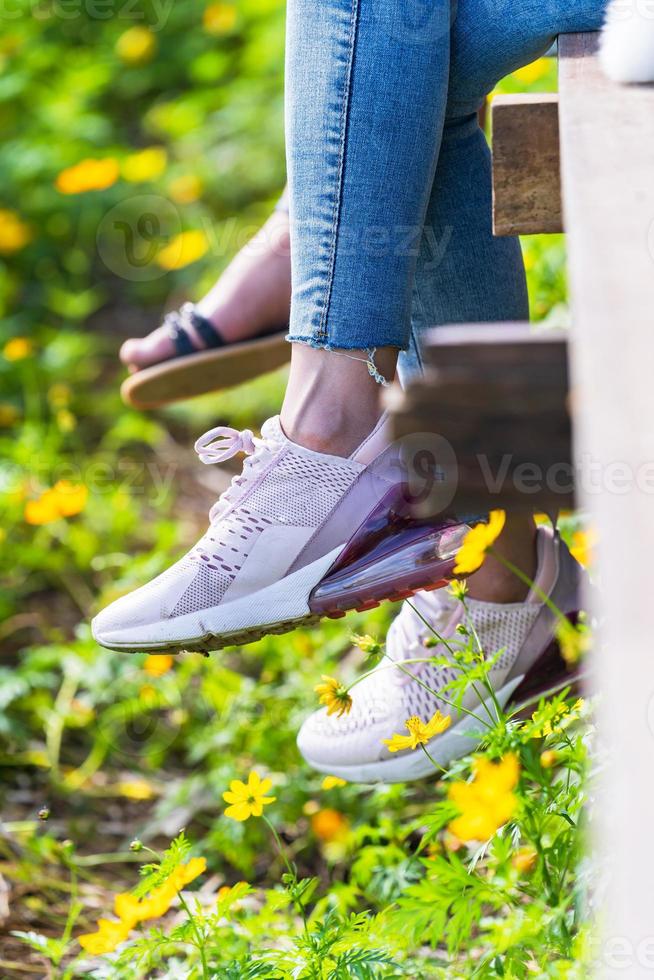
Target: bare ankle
x=332 y=403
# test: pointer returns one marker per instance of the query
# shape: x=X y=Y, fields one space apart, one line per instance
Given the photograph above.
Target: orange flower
x=185 y=189
x=219 y=18
x=14 y=233
x=525 y=860
x=88 y=175
x=65 y=499
x=158 y=664
x=17 y=349
x=329 y=825
x=488 y=801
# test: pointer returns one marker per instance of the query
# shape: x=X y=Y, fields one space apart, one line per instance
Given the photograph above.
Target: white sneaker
x=352 y=746
x=273 y=535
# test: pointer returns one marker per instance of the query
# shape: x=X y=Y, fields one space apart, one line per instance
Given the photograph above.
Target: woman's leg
x=250 y=297
x=464 y=273
x=366 y=94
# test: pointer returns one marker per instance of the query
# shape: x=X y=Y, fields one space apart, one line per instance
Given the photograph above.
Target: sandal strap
x=177 y=323
x=178 y=334
x=206 y=330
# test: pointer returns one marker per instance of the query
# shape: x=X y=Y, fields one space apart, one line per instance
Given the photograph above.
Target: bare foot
x=251 y=297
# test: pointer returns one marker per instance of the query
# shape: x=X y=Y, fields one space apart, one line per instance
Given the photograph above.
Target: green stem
x=530 y=584
x=441 y=639
x=289 y=867
x=199 y=938
x=436 y=765
x=401 y=665
x=487 y=684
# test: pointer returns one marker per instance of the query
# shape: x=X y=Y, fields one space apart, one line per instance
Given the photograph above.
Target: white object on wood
x=627 y=48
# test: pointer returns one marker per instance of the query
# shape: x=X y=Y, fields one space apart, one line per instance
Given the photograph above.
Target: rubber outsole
x=209 y=370
x=212 y=644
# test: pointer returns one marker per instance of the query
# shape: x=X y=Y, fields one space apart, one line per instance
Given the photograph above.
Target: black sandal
x=190 y=372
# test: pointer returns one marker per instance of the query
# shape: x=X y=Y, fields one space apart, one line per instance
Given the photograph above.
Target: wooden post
x=607 y=152
x=526 y=166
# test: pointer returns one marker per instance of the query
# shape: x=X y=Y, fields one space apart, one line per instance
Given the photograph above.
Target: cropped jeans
x=389 y=172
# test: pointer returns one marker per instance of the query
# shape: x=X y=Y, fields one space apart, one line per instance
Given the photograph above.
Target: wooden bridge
x=568 y=417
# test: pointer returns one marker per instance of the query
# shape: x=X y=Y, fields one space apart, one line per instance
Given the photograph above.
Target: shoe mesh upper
x=298 y=491
x=301 y=490
x=386 y=699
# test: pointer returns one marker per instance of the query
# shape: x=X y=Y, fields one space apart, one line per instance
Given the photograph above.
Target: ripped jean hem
x=369 y=360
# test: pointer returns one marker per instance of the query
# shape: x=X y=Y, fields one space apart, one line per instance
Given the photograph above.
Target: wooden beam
x=526 y=166
x=495 y=395
x=607 y=154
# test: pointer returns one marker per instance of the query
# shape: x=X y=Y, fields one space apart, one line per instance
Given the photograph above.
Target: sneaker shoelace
x=222 y=443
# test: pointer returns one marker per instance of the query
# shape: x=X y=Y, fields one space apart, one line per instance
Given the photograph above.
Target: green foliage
x=113 y=747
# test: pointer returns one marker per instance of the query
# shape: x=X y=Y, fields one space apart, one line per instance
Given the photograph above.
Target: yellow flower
x=477 y=542
x=17 y=349
x=9 y=414
x=136 y=46
x=219 y=18
x=185 y=189
x=14 y=233
x=66 y=421
x=533 y=72
x=548 y=758
x=71 y=497
x=183 y=249
x=367 y=644
x=583 y=544
x=419 y=732
x=135 y=789
x=108 y=937
x=329 y=825
x=146 y=165
x=525 y=859
x=42 y=511
x=574 y=641
x=158 y=664
x=128 y=909
x=488 y=801
x=88 y=175
x=334 y=695
x=184 y=874
x=332 y=782
x=247 y=799
x=132 y=911
x=65 y=499
x=458 y=590
x=59 y=395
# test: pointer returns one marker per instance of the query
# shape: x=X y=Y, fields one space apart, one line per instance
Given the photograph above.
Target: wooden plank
x=607 y=154
x=497 y=395
x=526 y=165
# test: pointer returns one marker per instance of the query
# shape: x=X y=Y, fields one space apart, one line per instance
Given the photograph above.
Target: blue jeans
x=389 y=171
